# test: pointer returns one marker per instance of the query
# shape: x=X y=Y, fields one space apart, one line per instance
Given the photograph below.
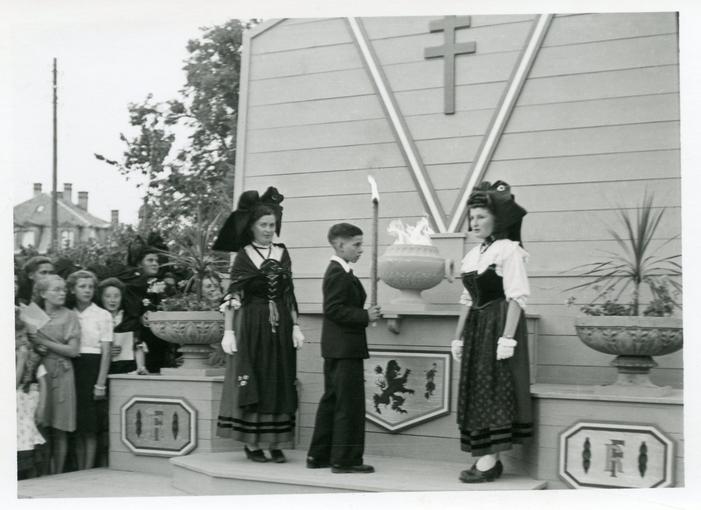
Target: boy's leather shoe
x=313 y=463
x=360 y=468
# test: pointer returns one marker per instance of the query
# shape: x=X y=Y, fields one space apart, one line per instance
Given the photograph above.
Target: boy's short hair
x=343 y=231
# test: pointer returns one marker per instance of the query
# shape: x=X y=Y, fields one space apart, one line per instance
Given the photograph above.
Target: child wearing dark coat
x=339 y=431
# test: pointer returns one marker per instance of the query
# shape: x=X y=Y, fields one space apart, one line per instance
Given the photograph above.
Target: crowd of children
x=71 y=331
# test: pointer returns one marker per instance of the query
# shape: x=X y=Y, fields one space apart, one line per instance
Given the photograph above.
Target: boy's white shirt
x=346 y=267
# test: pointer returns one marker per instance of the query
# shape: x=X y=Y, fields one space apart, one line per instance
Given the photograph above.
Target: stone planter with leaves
x=193 y=331
x=633 y=340
x=192 y=318
x=632 y=334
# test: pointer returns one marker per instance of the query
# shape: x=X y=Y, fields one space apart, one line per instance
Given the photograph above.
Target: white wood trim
x=262 y=27
x=501 y=117
x=407 y=147
x=242 y=121
x=242 y=114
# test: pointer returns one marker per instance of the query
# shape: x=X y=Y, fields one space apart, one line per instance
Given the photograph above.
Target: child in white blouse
x=91 y=367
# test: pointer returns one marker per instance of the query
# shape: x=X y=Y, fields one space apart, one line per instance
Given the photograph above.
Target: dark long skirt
x=122 y=366
x=91 y=414
x=271 y=359
x=494 y=402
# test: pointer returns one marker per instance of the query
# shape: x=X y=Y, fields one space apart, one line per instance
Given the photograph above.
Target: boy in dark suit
x=339 y=432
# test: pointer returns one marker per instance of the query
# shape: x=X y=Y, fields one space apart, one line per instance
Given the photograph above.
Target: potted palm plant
x=636 y=329
x=190 y=317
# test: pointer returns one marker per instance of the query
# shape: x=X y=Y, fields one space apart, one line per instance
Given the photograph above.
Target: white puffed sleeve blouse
x=510 y=261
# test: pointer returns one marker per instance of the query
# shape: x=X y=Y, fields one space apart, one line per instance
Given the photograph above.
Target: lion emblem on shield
x=391 y=383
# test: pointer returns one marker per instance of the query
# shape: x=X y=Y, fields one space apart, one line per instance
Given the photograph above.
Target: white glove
x=228 y=343
x=505 y=347
x=230 y=302
x=456 y=349
x=297 y=337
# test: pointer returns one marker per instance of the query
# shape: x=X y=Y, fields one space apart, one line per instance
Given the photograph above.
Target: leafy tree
x=186 y=147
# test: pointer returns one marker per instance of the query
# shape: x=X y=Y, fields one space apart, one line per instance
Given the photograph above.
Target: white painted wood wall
x=596 y=125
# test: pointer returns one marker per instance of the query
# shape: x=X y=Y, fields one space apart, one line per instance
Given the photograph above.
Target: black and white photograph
x=324 y=251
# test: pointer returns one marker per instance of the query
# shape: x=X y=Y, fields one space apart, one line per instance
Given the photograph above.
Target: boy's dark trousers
x=339 y=430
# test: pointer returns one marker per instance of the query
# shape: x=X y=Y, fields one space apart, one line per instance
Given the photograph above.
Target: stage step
x=230 y=473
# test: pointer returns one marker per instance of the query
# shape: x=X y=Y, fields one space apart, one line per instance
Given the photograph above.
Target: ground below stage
x=99 y=482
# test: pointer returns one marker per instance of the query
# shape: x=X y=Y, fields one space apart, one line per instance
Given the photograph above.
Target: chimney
x=115 y=217
x=59 y=195
x=83 y=200
x=68 y=192
x=37 y=188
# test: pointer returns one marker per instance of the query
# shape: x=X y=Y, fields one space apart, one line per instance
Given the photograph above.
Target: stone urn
x=411 y=269
x=194 y=332
x=634 y=340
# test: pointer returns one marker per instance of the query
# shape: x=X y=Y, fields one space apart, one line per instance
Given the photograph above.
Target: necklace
x=486 y=244
x=270 y=251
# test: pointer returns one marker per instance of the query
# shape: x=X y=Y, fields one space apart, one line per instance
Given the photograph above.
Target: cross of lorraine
x=448 y=50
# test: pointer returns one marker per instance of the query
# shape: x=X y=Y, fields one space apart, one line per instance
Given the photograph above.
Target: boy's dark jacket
x=345 y=319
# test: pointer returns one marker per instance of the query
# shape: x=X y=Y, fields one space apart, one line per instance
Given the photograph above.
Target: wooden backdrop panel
x=337 y=134
x=617 y=83
x=305 y=61
x=318 y=111
x=326 y=85
x=488 y=39
x=645 y=164
x=290 y=36
x=598 y=140
x=394 y=26
x=607 y=55
x=596 y=125
x=601 y=27
x=324 y=159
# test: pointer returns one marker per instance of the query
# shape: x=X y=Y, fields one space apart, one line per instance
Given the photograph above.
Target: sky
x=107 y=58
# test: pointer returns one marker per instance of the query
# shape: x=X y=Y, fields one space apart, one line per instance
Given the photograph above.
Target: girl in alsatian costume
x=494 y=406
x=259 y=397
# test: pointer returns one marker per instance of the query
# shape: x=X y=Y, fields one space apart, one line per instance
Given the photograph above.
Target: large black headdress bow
x=497 y=198
x=234 y=234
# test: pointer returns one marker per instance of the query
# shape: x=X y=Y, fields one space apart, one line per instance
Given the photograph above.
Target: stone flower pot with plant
x=635 y=330
x=191 y=317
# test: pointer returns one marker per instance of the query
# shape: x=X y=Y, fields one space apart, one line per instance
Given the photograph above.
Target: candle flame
x=373 y=186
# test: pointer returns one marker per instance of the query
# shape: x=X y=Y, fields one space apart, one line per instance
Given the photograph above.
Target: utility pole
x=54 y=191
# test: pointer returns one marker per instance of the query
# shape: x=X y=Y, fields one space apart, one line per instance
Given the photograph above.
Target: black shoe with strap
x=276 y=455
x=474 y=475
x=255 y=455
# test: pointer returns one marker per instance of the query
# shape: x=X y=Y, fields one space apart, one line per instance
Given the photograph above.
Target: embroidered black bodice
x=272 y=283
x=484 y=287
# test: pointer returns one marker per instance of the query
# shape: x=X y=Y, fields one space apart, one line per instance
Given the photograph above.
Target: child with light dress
x=31 y=399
